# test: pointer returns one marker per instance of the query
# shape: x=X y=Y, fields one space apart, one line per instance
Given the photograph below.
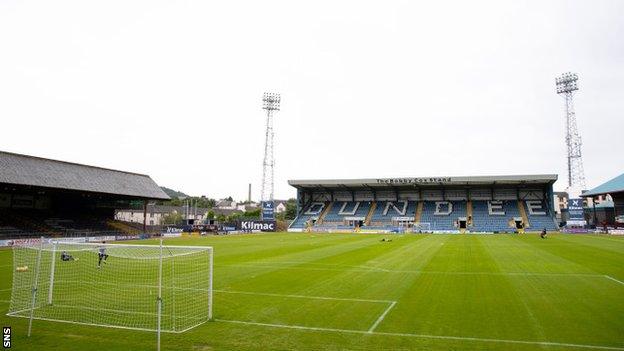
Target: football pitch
x=356 y=292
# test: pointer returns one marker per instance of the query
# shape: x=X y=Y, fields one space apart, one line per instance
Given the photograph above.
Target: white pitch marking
x=381 y=318
x=105 y=325
x=302 y=296
x=17 y=314
x=425 y=336
x=615 y=280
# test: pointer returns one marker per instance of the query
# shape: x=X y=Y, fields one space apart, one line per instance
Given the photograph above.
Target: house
x=247 y=206
x=226 y=204
x=156 y=214
x=280 y=205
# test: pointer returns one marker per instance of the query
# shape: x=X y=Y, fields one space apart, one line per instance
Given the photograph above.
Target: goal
x=421 y=227
x=143 y=287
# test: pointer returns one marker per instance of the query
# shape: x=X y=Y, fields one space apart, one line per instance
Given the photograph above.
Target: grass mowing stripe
x=611 y=239
x=327 y=245
x=301 y=296
x=574 y=251
x=463 y=301
x=513 y=258
x=426 y=336
x=602 y=244
x=382 y=270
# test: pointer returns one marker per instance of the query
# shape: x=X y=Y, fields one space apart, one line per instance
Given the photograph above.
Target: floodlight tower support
x=270 y=103
x=566 y=85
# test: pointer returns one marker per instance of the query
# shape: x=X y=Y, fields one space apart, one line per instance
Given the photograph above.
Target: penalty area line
x=381 y=317
x=424 y=336
x=615 y=280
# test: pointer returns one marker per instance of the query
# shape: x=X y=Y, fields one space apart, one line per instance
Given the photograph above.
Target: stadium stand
x=448 y=204
x=443 y=215
x=614 y=188
x=43 y=197
x=387 y=210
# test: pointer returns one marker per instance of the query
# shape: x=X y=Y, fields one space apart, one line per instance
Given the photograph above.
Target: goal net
x=142 y=287
x=421 y=227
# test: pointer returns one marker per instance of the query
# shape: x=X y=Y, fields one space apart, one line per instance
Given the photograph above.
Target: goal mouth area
x=19 y=314
x=155 y=288
x=152 y=252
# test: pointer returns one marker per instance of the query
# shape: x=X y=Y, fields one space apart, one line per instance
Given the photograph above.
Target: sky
x=369 y=89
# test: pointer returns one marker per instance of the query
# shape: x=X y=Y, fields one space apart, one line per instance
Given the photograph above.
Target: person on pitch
x=102 y=254
x=67 y=257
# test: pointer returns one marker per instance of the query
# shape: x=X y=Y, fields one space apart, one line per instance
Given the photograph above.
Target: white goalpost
x=143 y=287
x=421 y=227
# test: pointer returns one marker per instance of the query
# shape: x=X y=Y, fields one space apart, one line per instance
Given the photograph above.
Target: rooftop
x=416 y=182
x=615 y=185
x=34 y=171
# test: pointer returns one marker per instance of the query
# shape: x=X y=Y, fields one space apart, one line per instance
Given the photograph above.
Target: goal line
x=140 y=287
x=425 y=336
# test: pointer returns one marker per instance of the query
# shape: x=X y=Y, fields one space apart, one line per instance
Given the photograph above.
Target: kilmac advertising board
x=264 y=226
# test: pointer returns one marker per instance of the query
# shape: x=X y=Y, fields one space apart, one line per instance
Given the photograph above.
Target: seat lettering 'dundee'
x=443 y=208
x=345 y=211
x=495 y=208
x=315 y=208
x=535 y=208
x=399 y=207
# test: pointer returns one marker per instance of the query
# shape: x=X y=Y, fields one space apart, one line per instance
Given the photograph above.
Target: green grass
x=435 y=292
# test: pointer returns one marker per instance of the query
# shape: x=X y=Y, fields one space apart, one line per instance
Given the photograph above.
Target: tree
x=234 y=217
x=173 y=193
x=174 y=202
x=201 y=202
x=280 y=216
x=253 y=214
x=291 y=209
x=174 y=218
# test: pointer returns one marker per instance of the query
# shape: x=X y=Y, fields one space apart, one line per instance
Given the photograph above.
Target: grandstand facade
x=44 y=197
x=481 y=204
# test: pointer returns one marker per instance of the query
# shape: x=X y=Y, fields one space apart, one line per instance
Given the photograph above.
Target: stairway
x=419 y=210
x=328 y=206
x=525 y=218
x=469 y=218
x=370 y=213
